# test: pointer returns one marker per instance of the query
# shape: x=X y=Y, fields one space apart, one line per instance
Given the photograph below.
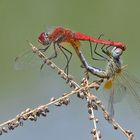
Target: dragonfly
x=115 y=77
x=59 y=36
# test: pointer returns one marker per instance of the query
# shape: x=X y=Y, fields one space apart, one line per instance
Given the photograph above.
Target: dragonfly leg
x=64 y=50
x=55 y=52
x=95 y=51
x=44 y=49
x=52 y=57
x=106 y=50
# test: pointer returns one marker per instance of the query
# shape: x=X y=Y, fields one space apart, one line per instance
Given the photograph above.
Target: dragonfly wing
x=110 y=107
x=132 y=85
x=25 y=60
x=113 y=94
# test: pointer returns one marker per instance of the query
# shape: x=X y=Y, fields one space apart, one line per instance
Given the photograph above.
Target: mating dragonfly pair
x=112 y=50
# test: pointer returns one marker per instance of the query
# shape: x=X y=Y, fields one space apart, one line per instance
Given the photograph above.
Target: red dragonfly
x=60 y=35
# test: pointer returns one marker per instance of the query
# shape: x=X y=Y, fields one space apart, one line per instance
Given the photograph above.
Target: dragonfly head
x=43 y=39
x=116 y=52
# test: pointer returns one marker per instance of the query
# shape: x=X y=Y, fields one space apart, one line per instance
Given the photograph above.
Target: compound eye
x=117 y=52
x=43 y=38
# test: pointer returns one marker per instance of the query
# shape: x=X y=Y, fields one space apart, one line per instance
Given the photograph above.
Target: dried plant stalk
x=82 y=91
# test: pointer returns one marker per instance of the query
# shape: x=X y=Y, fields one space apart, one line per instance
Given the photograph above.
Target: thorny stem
x=115 y=124
x=127 y=133
x=32 y=112
x=35 y=50
x=40 y=107
x=83 y=88
x=49 y=62
x=94 y=123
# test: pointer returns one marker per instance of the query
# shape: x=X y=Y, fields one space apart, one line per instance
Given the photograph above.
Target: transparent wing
x=50 y=29
x=132 y=91
x=125 y=86
x=29 y=59
x=26 y=59
x=110 y=107
x=107 y=96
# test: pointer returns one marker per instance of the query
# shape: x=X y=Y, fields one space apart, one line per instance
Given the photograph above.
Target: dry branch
x=82 y=91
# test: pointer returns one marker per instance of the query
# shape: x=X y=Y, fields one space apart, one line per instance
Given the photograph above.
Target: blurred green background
x=24 y=20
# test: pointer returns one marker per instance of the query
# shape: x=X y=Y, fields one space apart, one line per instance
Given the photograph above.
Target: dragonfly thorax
x=114 y=67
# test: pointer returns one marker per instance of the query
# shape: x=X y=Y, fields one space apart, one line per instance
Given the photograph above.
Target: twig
x=82 y=91
x=32 y=114
x=116 y=125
